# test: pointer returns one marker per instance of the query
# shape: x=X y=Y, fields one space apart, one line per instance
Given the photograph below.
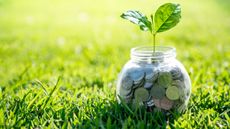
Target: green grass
x=59 y=61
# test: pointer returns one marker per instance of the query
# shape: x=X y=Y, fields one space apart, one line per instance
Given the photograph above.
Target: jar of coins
x=155 y=80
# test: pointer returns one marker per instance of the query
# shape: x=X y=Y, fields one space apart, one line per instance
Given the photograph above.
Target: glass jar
x=155 y=80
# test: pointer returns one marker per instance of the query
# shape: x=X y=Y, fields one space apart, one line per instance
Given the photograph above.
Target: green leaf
x=138 y=18
x=167 y=16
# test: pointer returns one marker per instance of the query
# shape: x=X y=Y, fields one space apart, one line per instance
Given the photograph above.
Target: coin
x=157 y=92
x=129 y=96
x=127 y=82
x=150 y=74
x=166 y=104
x=123 y=98
x=150 y=103
x=148 y=85
x=164 y=79
x=156 y=73
x=157 y=102
x=176 y=73
x=126 y=95
x=123 y=92
x=141 y=94
x=172 y=93
x=135 y=86
x=181 y=88
x=178 y=83
x=139 y=84
x=136 y=74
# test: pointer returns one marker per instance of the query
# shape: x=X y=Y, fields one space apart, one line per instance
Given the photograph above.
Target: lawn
x=59 y=61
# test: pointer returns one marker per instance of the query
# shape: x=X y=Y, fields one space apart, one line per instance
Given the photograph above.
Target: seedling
x=166 y=17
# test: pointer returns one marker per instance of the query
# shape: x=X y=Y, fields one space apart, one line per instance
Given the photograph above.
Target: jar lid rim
x=147 y=52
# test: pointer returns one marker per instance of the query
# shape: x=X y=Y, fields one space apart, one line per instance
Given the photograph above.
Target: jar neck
x=145 y=54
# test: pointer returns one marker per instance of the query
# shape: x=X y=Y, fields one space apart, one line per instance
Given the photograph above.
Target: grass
x=59 y=63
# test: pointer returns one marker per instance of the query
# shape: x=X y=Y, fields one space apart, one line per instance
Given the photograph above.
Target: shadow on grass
x=88 y=113
x=40 y=108
x=123 y=116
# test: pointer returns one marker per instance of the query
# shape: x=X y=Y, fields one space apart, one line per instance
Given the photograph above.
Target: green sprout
x=166 y=17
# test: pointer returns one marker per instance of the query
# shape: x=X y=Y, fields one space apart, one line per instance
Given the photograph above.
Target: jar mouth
x=146 y=52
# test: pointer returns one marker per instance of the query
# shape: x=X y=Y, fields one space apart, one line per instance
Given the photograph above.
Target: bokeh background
x=87 y=43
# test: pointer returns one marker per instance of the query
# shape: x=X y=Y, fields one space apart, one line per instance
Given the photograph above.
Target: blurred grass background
x=87 y=43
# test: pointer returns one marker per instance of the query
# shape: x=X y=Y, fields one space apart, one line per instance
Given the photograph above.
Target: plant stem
x=154 y=42
x=153 y=35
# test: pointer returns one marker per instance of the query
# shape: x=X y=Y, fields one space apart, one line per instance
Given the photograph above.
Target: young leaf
x=138 y=18
x=167 y=16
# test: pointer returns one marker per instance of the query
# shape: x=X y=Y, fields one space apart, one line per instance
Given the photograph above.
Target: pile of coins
x=154 y=88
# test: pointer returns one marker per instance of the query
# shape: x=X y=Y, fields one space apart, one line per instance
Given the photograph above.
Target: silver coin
x=126 y=95
x=156 y=73
x=136 y=74
x=148 y=73
x=129 y=96
x=142 y=83
x=127 y=82
x=124 y=98
x=148 y=85
x=150 y=103
x=181 y=87
x=178 y=83
x=151 y=76
x=123 y=92
x=135 y=86
x=139 y=84
x=176 y=73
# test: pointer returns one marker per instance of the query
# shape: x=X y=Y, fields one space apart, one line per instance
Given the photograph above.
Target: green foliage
x=59 y=63
x=139 y=19
x=166 y=17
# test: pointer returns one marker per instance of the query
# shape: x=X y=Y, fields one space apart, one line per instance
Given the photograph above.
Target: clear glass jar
x=157 y=81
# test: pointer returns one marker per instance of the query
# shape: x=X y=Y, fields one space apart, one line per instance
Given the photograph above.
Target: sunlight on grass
x=85 y=44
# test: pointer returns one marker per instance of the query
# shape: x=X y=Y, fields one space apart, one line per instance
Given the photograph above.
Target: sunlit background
x=87 y=43
x=32 y=32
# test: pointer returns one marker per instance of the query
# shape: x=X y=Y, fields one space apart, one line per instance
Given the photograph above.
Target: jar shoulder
x=165 y=63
